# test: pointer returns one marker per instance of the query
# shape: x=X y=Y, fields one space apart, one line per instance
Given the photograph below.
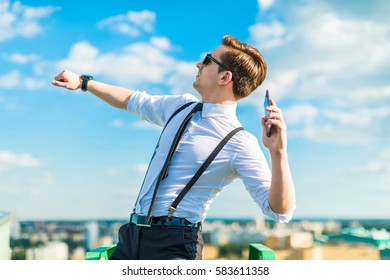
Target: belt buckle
x=140 y=220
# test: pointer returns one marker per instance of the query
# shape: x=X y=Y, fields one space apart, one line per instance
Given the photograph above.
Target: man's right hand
x=68 y=80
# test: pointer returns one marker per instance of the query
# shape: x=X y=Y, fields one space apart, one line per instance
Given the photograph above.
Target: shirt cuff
x=133 y=101
x=281 y=218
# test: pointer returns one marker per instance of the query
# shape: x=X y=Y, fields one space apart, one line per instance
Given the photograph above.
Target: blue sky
x=68 y=155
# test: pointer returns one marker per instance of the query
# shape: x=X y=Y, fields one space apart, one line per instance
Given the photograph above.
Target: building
x=378 y=238
x=350 y=244
x=91 y=236
x=5 y=231
x=53 y=250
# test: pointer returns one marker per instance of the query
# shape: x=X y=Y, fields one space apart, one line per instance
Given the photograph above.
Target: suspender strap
x=170 y=118
x=201 y=170
x=175 y=142
x=158 y=142
x=178 y=111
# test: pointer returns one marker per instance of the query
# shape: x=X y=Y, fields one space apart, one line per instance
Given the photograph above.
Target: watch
x=85 y=78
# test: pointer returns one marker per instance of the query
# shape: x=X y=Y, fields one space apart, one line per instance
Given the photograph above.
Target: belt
x=163 y=221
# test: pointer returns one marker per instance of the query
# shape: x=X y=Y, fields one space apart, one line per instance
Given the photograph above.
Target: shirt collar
x=213 y=110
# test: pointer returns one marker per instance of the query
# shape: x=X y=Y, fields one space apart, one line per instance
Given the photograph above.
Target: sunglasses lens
x=206 y=60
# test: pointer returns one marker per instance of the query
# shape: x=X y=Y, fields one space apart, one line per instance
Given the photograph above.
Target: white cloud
x=184 y=76
x=369 y=95
x=141 y=124
x=10 y=103
x=356 y=125
x=10 y=159
x=19 y=20
x=131 y=24
x=331 y=65
x=16 y=80
x=379 y=164
x=35 y=83
x=83 y=50
x=327 y=51
x=139 y=64
x=33 y=13
x=20 y=58
x=112 y=171
x=268 y=36
x=140 y=168
x=299 y=114
x=138 y=124
x=144 y=19
x=347 y=44
x=280 y=83
x=10 y=79
x=162 y=43
x=117 y=123
x=265 y=4
x=359 y=117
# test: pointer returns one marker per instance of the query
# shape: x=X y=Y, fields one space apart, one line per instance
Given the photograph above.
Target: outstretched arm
x=281 y=197
x=113 y=95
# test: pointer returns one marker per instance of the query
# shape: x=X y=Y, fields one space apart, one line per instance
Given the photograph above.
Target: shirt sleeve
x=156 y=109
x=253 y=169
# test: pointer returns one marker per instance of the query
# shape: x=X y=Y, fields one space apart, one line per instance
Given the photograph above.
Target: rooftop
x=5 y=217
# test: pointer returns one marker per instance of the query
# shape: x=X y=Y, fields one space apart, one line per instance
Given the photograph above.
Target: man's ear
x=225 y=78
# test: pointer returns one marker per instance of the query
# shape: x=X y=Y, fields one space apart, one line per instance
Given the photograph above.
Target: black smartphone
x=266 y=104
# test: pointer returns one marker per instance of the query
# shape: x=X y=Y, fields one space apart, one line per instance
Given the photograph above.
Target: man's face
x=207 y=77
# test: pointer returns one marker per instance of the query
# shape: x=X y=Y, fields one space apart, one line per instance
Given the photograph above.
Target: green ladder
x=257 y=251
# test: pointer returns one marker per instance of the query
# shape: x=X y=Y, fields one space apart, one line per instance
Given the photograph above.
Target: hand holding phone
x=266 y=104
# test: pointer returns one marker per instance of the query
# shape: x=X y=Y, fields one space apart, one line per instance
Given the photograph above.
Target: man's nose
x=199 y=65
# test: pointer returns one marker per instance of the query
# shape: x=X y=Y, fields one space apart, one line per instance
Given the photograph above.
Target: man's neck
x=219 y=98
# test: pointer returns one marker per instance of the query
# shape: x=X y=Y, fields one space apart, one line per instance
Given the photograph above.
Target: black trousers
x=158 y=243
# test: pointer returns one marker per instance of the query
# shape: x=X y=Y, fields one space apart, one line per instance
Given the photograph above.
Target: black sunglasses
x=209 y=58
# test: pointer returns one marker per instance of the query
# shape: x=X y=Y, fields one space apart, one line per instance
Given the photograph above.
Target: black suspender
x=163 y=173
x=158 y=143
x=178 y=111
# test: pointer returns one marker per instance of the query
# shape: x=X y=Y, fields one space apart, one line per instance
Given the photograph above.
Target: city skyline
x=68 y=155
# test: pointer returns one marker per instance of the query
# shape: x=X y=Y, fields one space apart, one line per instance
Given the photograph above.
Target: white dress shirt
x=241 y=158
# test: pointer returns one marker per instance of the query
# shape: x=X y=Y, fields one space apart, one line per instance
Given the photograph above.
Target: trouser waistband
x=141 y=220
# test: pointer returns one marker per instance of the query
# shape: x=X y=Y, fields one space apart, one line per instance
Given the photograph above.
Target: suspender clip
x=170 y=213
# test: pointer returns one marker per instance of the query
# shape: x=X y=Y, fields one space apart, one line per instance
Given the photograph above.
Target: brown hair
x=246 y=64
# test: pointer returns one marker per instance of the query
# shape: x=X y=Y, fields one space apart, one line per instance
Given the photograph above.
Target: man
x=161 y=229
